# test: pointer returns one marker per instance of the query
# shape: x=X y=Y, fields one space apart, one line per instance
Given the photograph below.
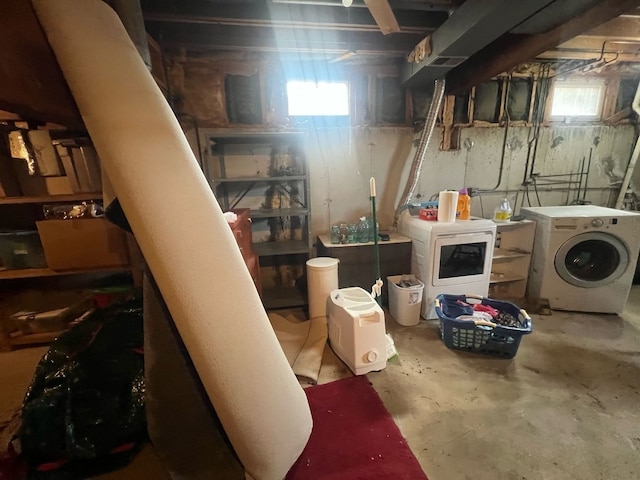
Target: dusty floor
x=567 y=407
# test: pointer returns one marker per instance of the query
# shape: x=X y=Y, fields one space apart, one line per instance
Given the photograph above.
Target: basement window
x=577 y=100
x=318 y=99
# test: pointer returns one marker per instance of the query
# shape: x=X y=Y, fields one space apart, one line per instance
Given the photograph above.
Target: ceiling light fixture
x=347 y=3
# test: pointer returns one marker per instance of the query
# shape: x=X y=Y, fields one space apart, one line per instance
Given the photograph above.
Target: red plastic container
x=428 y=214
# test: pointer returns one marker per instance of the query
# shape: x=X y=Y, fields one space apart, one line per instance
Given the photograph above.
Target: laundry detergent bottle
x=463 y=212
x=502 y=213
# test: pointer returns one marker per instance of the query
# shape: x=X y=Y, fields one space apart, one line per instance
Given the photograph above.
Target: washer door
x=591 y=259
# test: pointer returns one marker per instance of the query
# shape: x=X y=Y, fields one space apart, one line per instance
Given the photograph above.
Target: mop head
x=392 y=352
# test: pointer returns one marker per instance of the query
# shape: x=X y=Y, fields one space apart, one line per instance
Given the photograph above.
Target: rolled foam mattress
x=183 y=235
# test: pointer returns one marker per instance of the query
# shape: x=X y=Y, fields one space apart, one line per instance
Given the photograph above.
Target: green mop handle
x=372 y=185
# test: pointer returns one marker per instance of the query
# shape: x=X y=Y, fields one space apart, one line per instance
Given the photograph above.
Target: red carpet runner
x=353 y=437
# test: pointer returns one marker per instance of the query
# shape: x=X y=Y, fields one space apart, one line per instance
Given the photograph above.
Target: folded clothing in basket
x=462 y=310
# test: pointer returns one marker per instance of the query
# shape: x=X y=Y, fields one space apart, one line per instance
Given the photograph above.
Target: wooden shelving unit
x=73 y=197
x=511 y=259
x=267 y=172
x=47 y=272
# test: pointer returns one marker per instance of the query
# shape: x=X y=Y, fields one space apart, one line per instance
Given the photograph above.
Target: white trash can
x=405 y=302
x=322 y=278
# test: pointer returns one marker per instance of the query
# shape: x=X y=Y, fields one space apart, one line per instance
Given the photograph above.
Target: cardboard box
x=83 y=244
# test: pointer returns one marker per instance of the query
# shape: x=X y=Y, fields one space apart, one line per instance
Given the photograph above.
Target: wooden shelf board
x=505 y=226
x=34 y=338
x=505 y=277
x=260 y=179
x=285 y=247
x=502 y=254
x=47 y=272
x=278 y=212
x=72 y=197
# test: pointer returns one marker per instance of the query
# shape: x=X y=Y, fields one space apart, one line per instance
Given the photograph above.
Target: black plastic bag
x=85 y=405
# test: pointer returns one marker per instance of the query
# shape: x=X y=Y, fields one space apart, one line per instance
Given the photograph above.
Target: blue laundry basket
x=481 y=336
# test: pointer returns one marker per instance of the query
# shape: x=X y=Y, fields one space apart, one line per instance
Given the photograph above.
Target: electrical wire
x=507 y=120
x=542 y=91
x=535 y=189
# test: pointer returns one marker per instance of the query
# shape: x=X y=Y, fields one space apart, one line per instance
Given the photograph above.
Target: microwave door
x=462 y=258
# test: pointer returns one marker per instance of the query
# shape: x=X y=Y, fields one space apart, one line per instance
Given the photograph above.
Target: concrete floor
x=567 y=407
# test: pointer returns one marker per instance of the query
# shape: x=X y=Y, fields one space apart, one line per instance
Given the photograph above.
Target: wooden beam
x=31 y=83
x=269 y=23
x=227 y=37
x=340 y=17
x=608 y=45
x=619 y=27
x=618 y=117
x=447 y=123
x=383 y=15
x=511 y=50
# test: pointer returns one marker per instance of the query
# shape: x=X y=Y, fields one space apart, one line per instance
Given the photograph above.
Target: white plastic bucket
x=322 y=278
x=405 y=302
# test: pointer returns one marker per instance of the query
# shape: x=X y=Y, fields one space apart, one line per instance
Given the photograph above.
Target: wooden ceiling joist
x=31 y=82
x=511 y=50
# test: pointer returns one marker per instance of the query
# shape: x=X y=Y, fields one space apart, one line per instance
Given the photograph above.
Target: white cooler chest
x=357 y=330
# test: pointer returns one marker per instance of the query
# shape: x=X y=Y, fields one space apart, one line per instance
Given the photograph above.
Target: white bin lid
x=322 y=263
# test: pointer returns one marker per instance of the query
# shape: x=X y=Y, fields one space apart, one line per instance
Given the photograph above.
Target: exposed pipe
x=635 y=105
x=507 y=120
x=421 y=150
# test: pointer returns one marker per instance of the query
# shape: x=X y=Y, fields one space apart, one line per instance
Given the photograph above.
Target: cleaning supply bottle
x=463 y=211
x=502 y=213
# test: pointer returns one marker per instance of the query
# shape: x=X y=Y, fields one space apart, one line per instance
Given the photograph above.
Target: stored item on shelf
x=65 y=211
x=81 y=164
x=67 y=164
x=352 y=233
x=429 y=213
x=364 y=230
x=20 y=148
x=33 y=185
x=414 y=208
x=502 y=213
x=9 y=186
x=70 y=211
x=83 y=244
x=41 y=322
x=336 y=237
x=463 y=211
x=44 y=153
x=21 y=249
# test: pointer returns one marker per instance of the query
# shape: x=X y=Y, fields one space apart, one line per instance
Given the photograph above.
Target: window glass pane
x=318 y=98
x=576 y=100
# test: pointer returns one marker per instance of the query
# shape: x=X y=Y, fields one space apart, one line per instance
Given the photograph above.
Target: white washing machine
x=584 y=257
